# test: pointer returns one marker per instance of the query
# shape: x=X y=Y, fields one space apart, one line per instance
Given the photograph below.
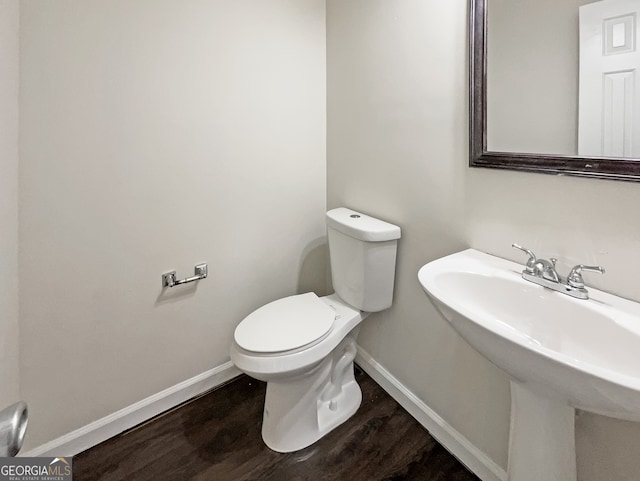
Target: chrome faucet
x=547 y=269
x=543 y=272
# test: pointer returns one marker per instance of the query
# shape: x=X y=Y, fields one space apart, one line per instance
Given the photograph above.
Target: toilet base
x=300 y=410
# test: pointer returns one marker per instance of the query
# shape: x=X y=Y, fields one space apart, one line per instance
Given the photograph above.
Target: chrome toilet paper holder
x=169 y=279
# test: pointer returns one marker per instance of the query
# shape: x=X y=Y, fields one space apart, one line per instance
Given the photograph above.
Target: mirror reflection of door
x=609 y=98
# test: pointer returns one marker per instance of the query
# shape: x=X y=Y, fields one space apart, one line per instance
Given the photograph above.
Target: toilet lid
x=285 y=324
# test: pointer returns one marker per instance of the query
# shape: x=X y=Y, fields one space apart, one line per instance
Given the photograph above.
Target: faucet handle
x=574 y=279
x=532 y=258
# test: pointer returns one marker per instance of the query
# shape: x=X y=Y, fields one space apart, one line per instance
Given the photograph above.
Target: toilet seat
x=287 y=324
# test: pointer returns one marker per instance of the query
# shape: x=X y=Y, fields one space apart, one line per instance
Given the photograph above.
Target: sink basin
x=561 y=353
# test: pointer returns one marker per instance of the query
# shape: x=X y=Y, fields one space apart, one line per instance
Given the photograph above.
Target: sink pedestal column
x=542 y=437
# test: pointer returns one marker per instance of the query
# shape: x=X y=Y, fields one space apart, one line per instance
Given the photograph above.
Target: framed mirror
x=555 y=87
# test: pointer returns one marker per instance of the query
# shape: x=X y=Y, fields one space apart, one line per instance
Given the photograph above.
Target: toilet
x=303 y=346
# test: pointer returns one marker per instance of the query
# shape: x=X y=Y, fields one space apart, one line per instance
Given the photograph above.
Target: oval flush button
x=354 y=216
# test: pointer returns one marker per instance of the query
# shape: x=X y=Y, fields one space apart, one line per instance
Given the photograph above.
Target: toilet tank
x=362 y=250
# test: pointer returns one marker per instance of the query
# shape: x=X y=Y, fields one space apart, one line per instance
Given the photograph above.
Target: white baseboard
x=98 y=431
x=458 y=445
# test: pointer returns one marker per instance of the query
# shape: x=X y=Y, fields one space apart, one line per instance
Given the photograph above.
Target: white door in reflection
x=609 y=103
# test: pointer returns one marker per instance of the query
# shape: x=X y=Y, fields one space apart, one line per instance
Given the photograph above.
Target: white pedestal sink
x=561 y=353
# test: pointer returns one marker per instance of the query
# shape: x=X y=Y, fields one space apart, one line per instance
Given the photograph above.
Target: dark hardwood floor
x=216 y=437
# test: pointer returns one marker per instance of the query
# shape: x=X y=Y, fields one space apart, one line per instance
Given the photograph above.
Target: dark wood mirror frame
x=595 y=167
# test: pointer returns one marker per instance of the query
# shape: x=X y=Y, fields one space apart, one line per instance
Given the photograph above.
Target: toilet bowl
x=303 y=346
x=310 y=390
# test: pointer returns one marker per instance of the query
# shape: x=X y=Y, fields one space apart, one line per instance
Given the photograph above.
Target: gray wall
x=156 y=135
x=9 y=72
x=533 y=76
x=397 y=149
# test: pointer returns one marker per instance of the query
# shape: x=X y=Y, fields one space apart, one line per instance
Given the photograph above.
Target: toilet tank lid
x=361 y=226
